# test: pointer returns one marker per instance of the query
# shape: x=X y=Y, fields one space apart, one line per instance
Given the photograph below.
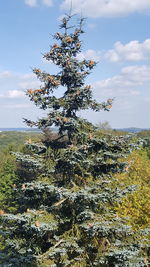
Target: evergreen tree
x=66 y=195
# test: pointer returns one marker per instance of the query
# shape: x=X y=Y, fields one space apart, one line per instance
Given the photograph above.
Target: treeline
x=15 y=139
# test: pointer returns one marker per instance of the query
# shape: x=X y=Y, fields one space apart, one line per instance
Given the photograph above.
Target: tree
x=7 y=179
x=65 y=195
x=104 y=126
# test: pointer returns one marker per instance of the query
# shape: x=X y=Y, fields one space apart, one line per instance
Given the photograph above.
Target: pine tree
x=66 y=194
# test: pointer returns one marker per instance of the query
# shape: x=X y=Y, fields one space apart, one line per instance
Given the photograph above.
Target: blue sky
x=116 y=34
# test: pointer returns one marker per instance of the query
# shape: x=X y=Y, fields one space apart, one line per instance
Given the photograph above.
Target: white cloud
x=15 y=94
x=106 y=8
x=147 y=100
x=89 y=54
x=48 y=2
x=13 y=85
x=16 y=106
x=6 y=74
x=132 y=51
x=34 y=3
x=128 y=84
x=130 y=90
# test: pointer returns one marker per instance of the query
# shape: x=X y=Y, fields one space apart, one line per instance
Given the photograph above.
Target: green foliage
x=104 y=126
x=136 y=206
x=7 y=179
x=146 y=136
x=10 y=141
x=14 y=140
x=70 y=219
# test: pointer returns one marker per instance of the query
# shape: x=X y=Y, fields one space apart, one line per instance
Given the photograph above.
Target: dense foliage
x=15 y=139
x=136 y=206
x=146 y=136
x=65 y=192
x=7 y=179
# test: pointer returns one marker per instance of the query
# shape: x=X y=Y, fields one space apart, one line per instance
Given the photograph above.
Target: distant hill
x=16 y=138
x=129 y=130
x=133 y=130
x=19 y=130
x=23 y=129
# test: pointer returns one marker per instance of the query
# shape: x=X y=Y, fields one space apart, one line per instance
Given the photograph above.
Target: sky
x=117 y=35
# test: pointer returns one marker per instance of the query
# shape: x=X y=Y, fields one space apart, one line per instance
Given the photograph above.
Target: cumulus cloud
x=106 y=8
x=89 y=54
x=15 y=94
x=147 y=99
x=14 y=104
x=129 y=89
x=48 y=2
x=128 y=83
x=13 y=85
x=132 y=51
x=34 y=3
x=6 y=74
